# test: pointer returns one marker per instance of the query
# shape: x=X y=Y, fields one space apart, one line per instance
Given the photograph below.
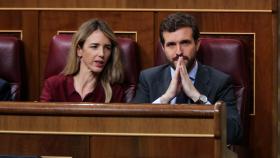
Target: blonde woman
x=93 y=72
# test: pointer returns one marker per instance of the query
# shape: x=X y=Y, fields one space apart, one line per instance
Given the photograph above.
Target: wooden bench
x=83 y=130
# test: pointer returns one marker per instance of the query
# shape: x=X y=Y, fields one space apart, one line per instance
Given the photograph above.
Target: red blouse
x=60 y=88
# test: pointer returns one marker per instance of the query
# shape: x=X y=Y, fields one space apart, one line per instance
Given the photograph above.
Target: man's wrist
x=202 y=99
x=195 y=97
x=164 y=99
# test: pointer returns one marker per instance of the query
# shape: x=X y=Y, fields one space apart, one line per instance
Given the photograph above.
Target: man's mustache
x=177 y=57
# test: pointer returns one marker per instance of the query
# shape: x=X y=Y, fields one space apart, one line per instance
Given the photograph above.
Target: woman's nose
x=101 y=52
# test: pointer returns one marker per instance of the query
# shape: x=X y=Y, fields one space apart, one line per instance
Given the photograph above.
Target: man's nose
x=179 y=51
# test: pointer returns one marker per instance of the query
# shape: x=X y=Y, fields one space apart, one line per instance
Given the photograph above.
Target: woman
x=93 y=72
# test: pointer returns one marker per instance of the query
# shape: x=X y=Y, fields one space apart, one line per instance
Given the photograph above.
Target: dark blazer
x=216 y=85
x=5 y=91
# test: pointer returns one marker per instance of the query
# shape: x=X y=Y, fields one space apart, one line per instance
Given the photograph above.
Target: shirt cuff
x=208 y=103
x=157 y=101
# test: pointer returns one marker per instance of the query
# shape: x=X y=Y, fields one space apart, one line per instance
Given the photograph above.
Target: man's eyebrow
x=170 y=43
x=185 y=41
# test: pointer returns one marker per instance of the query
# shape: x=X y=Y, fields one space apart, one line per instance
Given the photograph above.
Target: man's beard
x=189 y=65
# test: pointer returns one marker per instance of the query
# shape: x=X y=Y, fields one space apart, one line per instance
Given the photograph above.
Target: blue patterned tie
x=181 y=98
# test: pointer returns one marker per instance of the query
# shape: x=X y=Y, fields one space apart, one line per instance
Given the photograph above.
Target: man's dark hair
x=176 y=21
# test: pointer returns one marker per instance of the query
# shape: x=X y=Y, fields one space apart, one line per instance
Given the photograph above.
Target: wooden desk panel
x=124 y=126
x=50 y=145
x=112 y=130
x=154 y=147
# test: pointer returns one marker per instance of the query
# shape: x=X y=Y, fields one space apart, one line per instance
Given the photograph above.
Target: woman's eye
x=108 y=47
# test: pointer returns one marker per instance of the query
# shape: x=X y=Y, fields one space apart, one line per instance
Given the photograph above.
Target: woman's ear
x=79 y=51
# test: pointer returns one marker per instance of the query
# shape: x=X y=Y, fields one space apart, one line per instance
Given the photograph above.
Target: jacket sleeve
x=46 y=95
x=142 y=92
x=234 y=128
x=5 y=91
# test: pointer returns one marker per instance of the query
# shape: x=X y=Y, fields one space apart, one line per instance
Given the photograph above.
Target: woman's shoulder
x=118 y=93
x=57 y=79
x=117 y=86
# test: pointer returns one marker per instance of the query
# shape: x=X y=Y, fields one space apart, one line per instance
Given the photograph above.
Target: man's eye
x=185 y=42
x=94 y=46
x=170 y=44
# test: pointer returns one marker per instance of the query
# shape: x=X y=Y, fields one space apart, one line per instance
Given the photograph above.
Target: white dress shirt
x=192 y=75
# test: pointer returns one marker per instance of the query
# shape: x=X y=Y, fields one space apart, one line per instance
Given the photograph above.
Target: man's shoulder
x=3 y=82
x=4 y=86
x=5 y=90
x=155 y=70
x=213 y=72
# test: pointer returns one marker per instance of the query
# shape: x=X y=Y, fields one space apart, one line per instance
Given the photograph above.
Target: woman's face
x=96 y=51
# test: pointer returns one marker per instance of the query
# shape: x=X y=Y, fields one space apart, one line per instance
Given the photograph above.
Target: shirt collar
x=70 y=85
x=98 y=90
x=192 y=73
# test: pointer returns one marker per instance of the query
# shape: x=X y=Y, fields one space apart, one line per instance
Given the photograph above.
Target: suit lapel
x=164 y=80
x=202 y=80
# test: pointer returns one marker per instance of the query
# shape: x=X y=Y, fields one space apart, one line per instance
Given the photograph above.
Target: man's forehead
x=169 y=38
x=180 y=32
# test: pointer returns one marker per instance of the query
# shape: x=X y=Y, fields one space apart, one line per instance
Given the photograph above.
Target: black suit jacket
x=5 y=91
x=216 y=85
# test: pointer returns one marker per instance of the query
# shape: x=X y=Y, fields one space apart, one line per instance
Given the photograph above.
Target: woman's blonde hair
x=113 y=70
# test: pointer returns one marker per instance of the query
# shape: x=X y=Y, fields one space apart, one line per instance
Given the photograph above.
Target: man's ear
x=162 y=47
x=197 y=45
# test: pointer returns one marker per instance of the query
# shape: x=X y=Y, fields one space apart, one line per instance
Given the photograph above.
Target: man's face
x=180 y=43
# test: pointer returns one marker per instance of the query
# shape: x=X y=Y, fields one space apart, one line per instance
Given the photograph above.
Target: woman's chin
x=97 y=69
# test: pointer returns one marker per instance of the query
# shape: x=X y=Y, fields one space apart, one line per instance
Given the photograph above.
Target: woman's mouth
x=99 y=64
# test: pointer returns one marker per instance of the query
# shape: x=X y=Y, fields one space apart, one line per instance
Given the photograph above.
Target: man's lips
x=177 y=57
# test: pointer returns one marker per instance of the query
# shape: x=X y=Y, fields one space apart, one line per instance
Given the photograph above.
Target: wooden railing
x=113 y=130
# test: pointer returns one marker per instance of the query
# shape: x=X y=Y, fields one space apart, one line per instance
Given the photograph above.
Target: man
x=184 y=79
x=5 y=91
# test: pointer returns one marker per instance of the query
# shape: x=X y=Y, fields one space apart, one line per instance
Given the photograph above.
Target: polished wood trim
x=277 y=96
x=99 y=109
x=112 y=134
x=144 y=10
x=103 y=126
x=128 y=32
x=228 y=33
x=65 y=32
x=116 y=32
x=97 y=119
x=55 y=157
x=220 y=129
x=104 y=123
x=13 y=31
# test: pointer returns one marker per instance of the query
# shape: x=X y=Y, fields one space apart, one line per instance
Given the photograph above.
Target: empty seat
x=11 y=65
